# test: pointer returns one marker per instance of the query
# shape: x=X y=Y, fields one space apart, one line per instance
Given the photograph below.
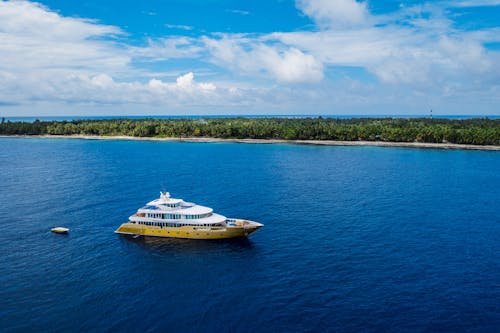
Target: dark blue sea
x=356 y=239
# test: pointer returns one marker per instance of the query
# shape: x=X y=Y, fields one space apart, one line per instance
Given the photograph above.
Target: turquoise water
x=355 y=239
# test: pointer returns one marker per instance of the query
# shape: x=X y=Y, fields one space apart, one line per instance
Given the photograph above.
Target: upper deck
x=166 y=208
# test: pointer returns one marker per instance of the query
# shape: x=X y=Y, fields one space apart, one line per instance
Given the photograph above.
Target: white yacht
x=169 y=217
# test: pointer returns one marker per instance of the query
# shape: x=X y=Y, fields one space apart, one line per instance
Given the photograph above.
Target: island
x=475 y=133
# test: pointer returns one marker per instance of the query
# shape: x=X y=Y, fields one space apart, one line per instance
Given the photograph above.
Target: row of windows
x=177 y=225
x=172 y=205
x=161 y=224
x=199 y=216
x=176 y=216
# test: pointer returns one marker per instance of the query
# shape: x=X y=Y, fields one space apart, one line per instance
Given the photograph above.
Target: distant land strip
x=476 y=133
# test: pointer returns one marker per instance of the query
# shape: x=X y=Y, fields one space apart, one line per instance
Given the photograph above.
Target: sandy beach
x=272 y=141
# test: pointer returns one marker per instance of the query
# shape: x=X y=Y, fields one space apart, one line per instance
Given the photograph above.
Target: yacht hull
x=190 y=232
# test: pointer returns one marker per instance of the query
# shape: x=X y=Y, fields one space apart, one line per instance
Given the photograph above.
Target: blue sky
x=249 y=57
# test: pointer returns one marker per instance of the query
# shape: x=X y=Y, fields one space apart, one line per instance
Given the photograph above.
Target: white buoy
x=60 y=230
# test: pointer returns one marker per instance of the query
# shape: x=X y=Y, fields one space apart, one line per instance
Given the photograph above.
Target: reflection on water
x=181 y=245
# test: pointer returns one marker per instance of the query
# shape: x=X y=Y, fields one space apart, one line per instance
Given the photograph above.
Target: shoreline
x=270 y=141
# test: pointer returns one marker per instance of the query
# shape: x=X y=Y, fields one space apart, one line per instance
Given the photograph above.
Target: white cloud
x=238 y=11
x=179 y=26
x=184 y=83
x=29 y=19
x=102 y=80
x=333 y=13
x=167 y=48
x=472 y=3
x=424 y=51
x=48 y=57
x=252 y=57
x=35 y=40
x=416 y=56
x=293 y=65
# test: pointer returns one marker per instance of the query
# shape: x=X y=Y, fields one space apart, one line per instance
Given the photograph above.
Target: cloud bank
x=351 y=61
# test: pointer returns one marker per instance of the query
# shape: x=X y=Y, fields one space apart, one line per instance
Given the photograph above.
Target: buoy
x=60 y=230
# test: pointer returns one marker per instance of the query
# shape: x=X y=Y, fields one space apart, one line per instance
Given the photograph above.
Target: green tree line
x=478 y=131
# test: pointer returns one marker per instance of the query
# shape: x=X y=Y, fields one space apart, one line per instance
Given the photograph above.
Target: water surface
x=355 y=238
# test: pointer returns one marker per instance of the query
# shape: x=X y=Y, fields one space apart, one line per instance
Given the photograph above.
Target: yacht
x=169 y=217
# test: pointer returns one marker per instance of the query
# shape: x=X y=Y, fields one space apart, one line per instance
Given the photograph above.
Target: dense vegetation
x=469 y=131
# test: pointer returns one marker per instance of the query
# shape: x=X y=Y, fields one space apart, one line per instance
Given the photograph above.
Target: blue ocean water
x=356 y=239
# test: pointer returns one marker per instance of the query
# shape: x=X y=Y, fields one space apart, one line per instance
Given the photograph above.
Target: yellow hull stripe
x=186 y=231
